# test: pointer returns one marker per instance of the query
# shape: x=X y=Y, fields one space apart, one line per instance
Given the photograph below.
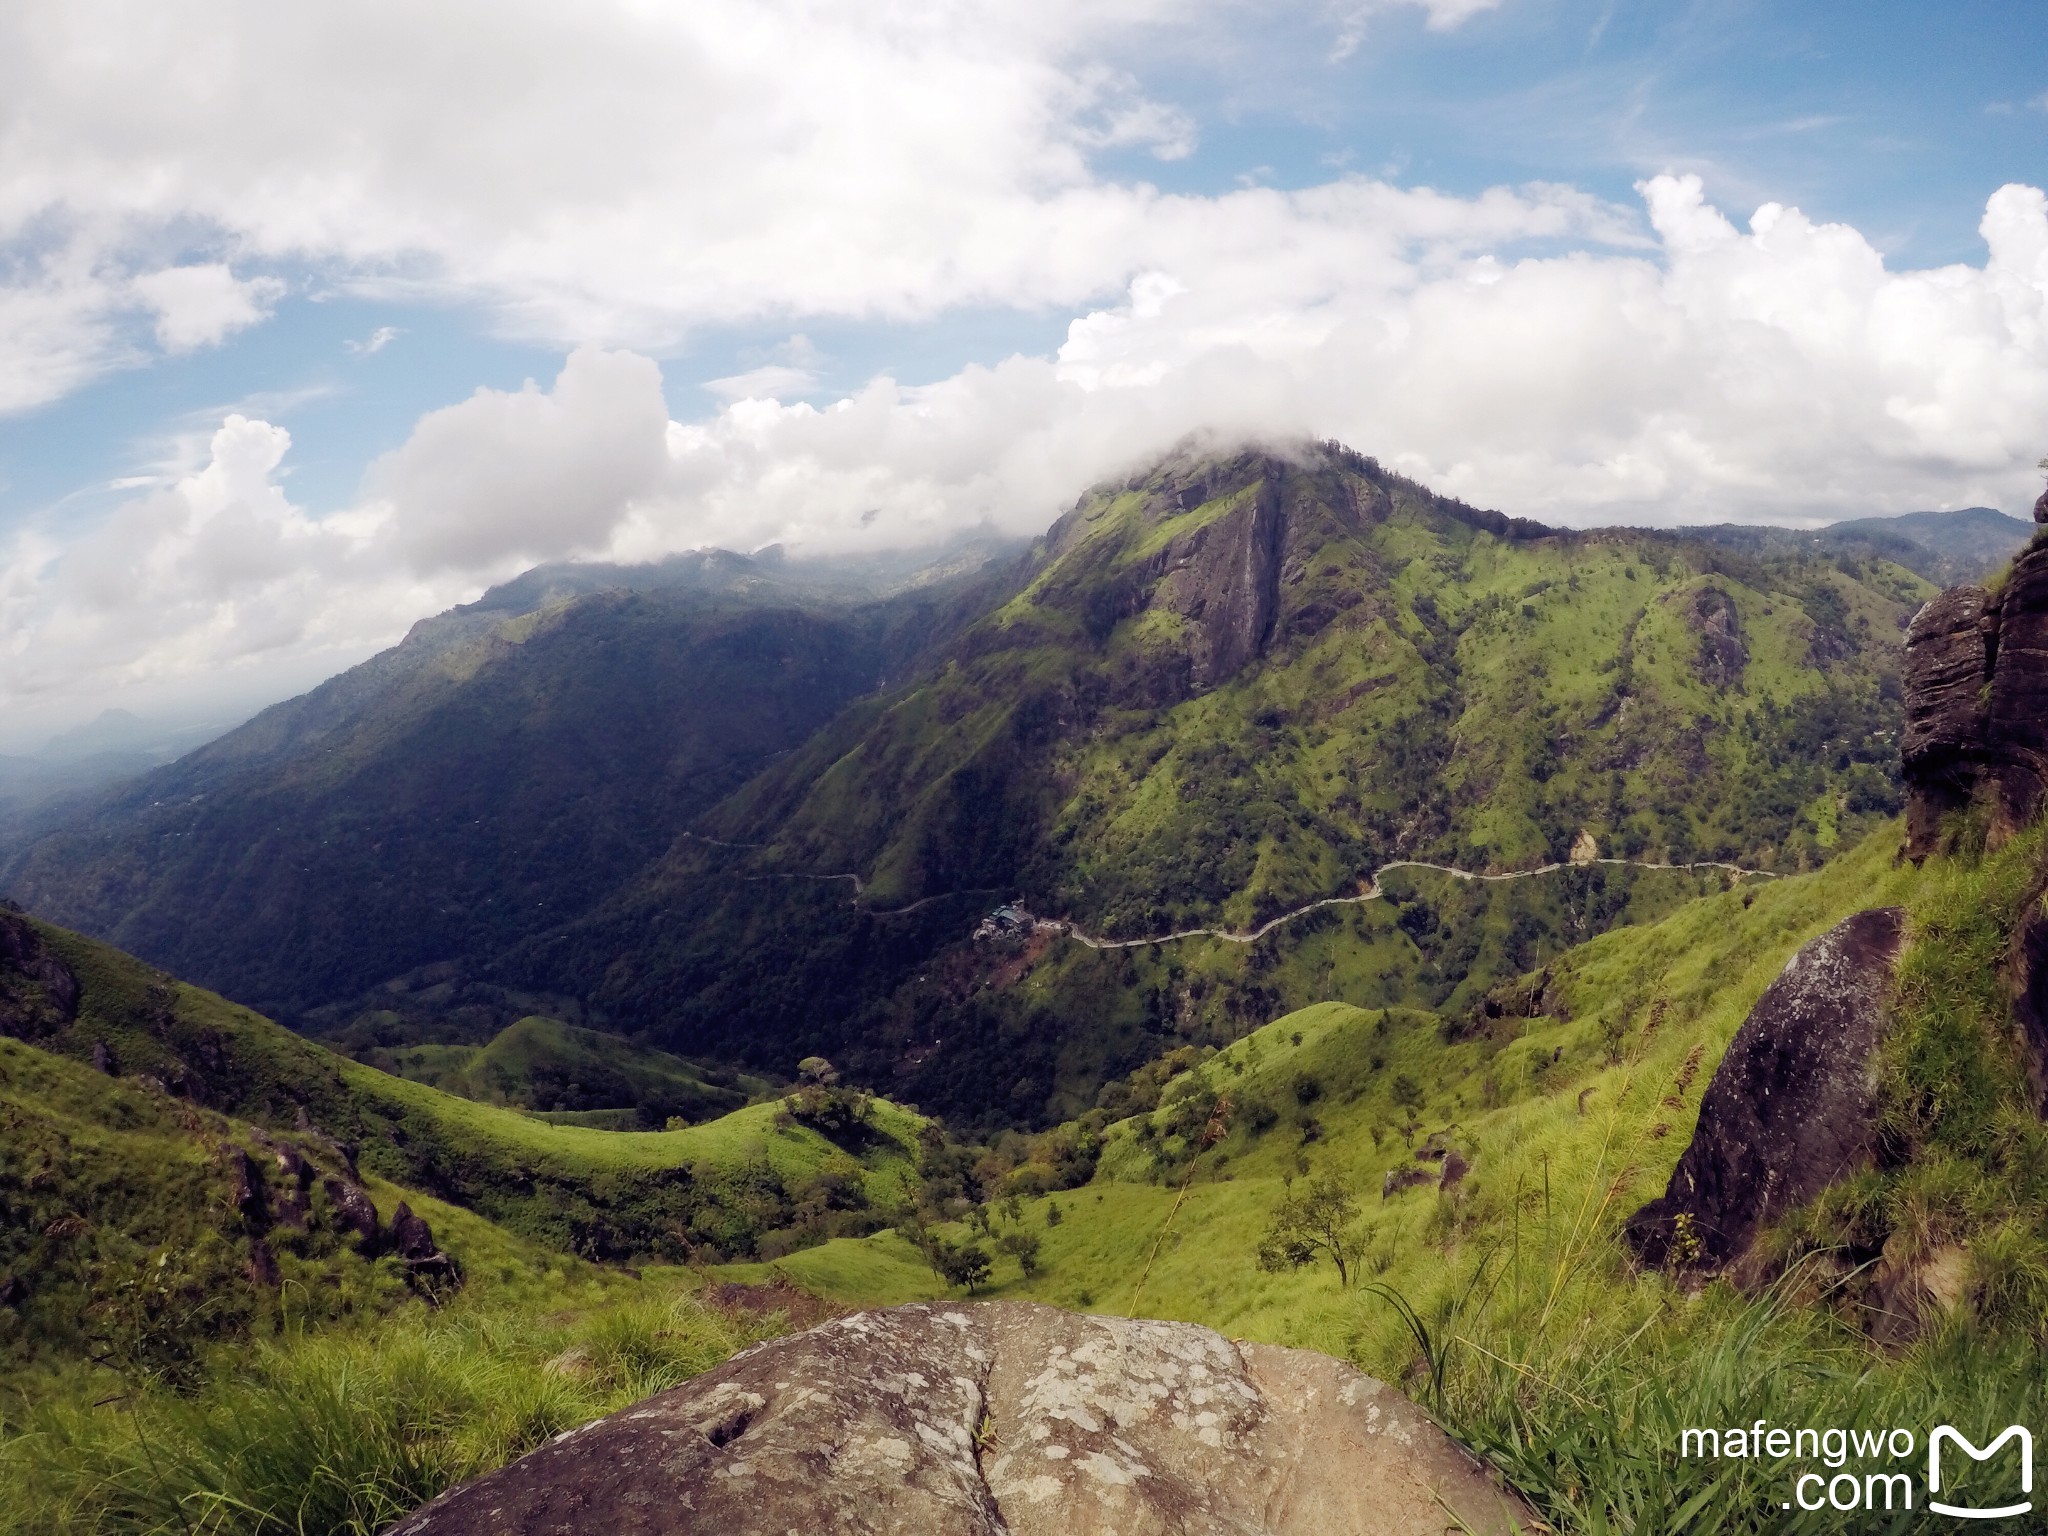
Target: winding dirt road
x=1069 y=929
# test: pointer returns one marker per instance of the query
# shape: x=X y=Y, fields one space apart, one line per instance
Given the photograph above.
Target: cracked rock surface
x=998 y=1417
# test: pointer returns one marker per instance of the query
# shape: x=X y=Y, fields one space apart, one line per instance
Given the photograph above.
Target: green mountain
x=739 y=817
x=503 y=769
x=1228 y=688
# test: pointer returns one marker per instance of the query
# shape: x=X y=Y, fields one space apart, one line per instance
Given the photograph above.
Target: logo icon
x=1947 y=1432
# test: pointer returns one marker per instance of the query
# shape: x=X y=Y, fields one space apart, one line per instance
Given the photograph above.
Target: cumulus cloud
x=201 y=304
x=529 y=475
x=767 y=161
x=607 y=172
x=1775 y=372
x=209 y=577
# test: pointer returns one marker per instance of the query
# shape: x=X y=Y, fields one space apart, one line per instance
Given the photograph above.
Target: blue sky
x=960 y=259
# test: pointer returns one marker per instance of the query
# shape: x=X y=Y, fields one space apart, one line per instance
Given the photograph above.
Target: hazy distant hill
x=1944 y=547
x=506 y=766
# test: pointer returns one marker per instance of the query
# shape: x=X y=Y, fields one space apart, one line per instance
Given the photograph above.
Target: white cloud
x=1778 y=372
x=202 y=304
x=530 y=475
x=375 y=342
x=610 y=172
x=212 y=578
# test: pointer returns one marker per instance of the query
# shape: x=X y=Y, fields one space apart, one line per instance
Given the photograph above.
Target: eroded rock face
x=1791 y=1108
x=1977 y=703
x=1002 y=1417
x=38 y=992
x=1722 y=655
x=1222 y=577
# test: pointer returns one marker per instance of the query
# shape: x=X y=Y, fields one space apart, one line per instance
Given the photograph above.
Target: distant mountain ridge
x=1945 y=547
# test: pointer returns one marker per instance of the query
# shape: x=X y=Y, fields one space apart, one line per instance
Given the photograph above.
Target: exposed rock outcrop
x=425 y=1264
x=38 y=992
x=1977 y=704
x=1722 y=655
x=1222 y=578
x=1003 y=1417
x=1791 y=1108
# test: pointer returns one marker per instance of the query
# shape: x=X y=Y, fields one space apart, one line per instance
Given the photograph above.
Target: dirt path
x=1372 y=892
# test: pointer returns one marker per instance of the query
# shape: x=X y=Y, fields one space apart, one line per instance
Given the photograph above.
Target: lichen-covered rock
x=1002 y=1417
x=1791 y=1108
x=1976 y=692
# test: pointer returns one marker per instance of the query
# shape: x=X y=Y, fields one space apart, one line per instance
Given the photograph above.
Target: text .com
x=1879 y=1469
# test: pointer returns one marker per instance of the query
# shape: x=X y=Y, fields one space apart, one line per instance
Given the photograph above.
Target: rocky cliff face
x=1977 y=703
x=1003 y=1417
x=1792 y=1106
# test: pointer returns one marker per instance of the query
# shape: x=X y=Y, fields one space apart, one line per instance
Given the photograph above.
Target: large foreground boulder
x=1791 y=1108
x=1001 y=1417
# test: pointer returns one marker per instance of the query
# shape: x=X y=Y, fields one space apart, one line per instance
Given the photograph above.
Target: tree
x=1023 y=1247
x=967 y=1265
x=1322 y=1220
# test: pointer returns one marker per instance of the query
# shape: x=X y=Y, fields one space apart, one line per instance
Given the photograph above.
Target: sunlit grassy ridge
x=716 y=1186
x=541 y=1064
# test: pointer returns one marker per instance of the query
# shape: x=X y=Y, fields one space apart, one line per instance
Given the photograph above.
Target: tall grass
x=339 y=1435
x=1576 y=1376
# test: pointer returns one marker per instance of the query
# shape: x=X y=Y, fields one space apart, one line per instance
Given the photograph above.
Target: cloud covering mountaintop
x=613 y=181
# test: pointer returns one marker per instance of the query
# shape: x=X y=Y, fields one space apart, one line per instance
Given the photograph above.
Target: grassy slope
x=606 y=1194
x=542 y=1064
x=150 y=1383
x=1543 y=1346
x=1514 y=1103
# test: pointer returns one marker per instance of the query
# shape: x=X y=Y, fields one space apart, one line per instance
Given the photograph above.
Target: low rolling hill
x=567 y=1074
x=757 y=1175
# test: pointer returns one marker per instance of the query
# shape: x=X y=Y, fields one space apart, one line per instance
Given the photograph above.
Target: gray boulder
x=1791 y=1108
x=999 y=1417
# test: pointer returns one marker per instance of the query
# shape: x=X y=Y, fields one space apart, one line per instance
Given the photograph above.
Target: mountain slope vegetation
x=734 y=821
x=756 y=1176
x=1229 y=687
x=505 y=767
x=1484 y=1174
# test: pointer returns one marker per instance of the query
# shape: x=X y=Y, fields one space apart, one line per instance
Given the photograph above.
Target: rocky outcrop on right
x=1791 y=1108
x=999 y=1419
x=1977 y=704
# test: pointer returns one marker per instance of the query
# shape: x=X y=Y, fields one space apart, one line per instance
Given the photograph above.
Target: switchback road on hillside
x=1372 y=892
